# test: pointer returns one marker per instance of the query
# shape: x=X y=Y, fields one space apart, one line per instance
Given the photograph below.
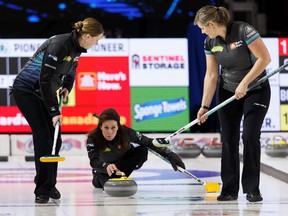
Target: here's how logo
x=101 y=80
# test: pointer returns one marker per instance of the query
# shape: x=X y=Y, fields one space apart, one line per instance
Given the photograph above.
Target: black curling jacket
x=100 y=160
x=52 y=66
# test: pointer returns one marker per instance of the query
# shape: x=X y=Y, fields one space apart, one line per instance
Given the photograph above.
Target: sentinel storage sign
x=166 y=65
x=159 y=83
x=145 y=80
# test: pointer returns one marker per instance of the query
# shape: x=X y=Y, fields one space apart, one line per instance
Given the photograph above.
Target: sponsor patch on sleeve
x=249 y=31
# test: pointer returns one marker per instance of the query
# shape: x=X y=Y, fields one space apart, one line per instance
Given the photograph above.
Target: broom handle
x=57 y=127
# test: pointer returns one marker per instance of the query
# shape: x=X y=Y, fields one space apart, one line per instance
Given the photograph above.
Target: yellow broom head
x=212 y=187
x=52 y=158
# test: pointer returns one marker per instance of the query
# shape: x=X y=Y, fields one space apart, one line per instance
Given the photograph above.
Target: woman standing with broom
x=52 y=67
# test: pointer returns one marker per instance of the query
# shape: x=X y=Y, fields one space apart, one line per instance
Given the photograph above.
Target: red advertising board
x=102 y=81
x=13 y=120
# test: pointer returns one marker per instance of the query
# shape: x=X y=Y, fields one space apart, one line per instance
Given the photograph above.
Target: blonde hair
x=89 y=26
x=219 y=15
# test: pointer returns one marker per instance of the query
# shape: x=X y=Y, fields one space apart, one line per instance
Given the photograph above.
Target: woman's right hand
x=55 y=119
x=64 y=92
x=201 y=115
x=111 y=168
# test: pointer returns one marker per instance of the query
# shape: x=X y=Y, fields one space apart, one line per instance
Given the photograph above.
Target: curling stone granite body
x=191 y=151
x=213 y=148
x=187 y=148
x=277 y=150
x=210 y=150
x=120 y=187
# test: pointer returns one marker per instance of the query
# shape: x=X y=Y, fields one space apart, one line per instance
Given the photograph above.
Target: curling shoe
x=227 y=197
x=254 y=197
x=41 y=199
x=55 y=194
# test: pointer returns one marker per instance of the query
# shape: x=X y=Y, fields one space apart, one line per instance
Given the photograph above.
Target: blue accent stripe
x=253 y=38
x=208 y=52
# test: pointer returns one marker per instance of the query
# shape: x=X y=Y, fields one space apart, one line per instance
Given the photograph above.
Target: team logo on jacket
x=236 y=44
x=107 y=149
x=67 y=58
x=249 y=31
x=53 y=57
x=217 y=49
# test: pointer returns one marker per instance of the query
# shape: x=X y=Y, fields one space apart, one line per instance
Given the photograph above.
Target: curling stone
x=187 y=148
x=120 y=187
x=279 y=148
x=212 y=149
x=276 y=150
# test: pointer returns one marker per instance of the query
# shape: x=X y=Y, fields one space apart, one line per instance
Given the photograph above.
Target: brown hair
x=219 y=15
x=97 y=137
x=89 y=26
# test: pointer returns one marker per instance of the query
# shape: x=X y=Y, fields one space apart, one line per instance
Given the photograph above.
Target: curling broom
x=54 y=157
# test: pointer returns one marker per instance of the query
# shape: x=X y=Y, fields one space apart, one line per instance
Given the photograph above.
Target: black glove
x=167 y=154
x=175 y=160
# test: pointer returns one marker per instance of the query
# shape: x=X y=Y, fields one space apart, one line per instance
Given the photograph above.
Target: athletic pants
x=40 y=122
x=253 y=108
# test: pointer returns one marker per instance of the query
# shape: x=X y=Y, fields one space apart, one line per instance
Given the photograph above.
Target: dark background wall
x=147 y=18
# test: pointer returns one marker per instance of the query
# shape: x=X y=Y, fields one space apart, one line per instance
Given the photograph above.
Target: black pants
x=133 y=159
x=253 y=107
x=40 y=122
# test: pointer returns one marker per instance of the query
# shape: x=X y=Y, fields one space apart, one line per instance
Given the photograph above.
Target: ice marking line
x=194 y=203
